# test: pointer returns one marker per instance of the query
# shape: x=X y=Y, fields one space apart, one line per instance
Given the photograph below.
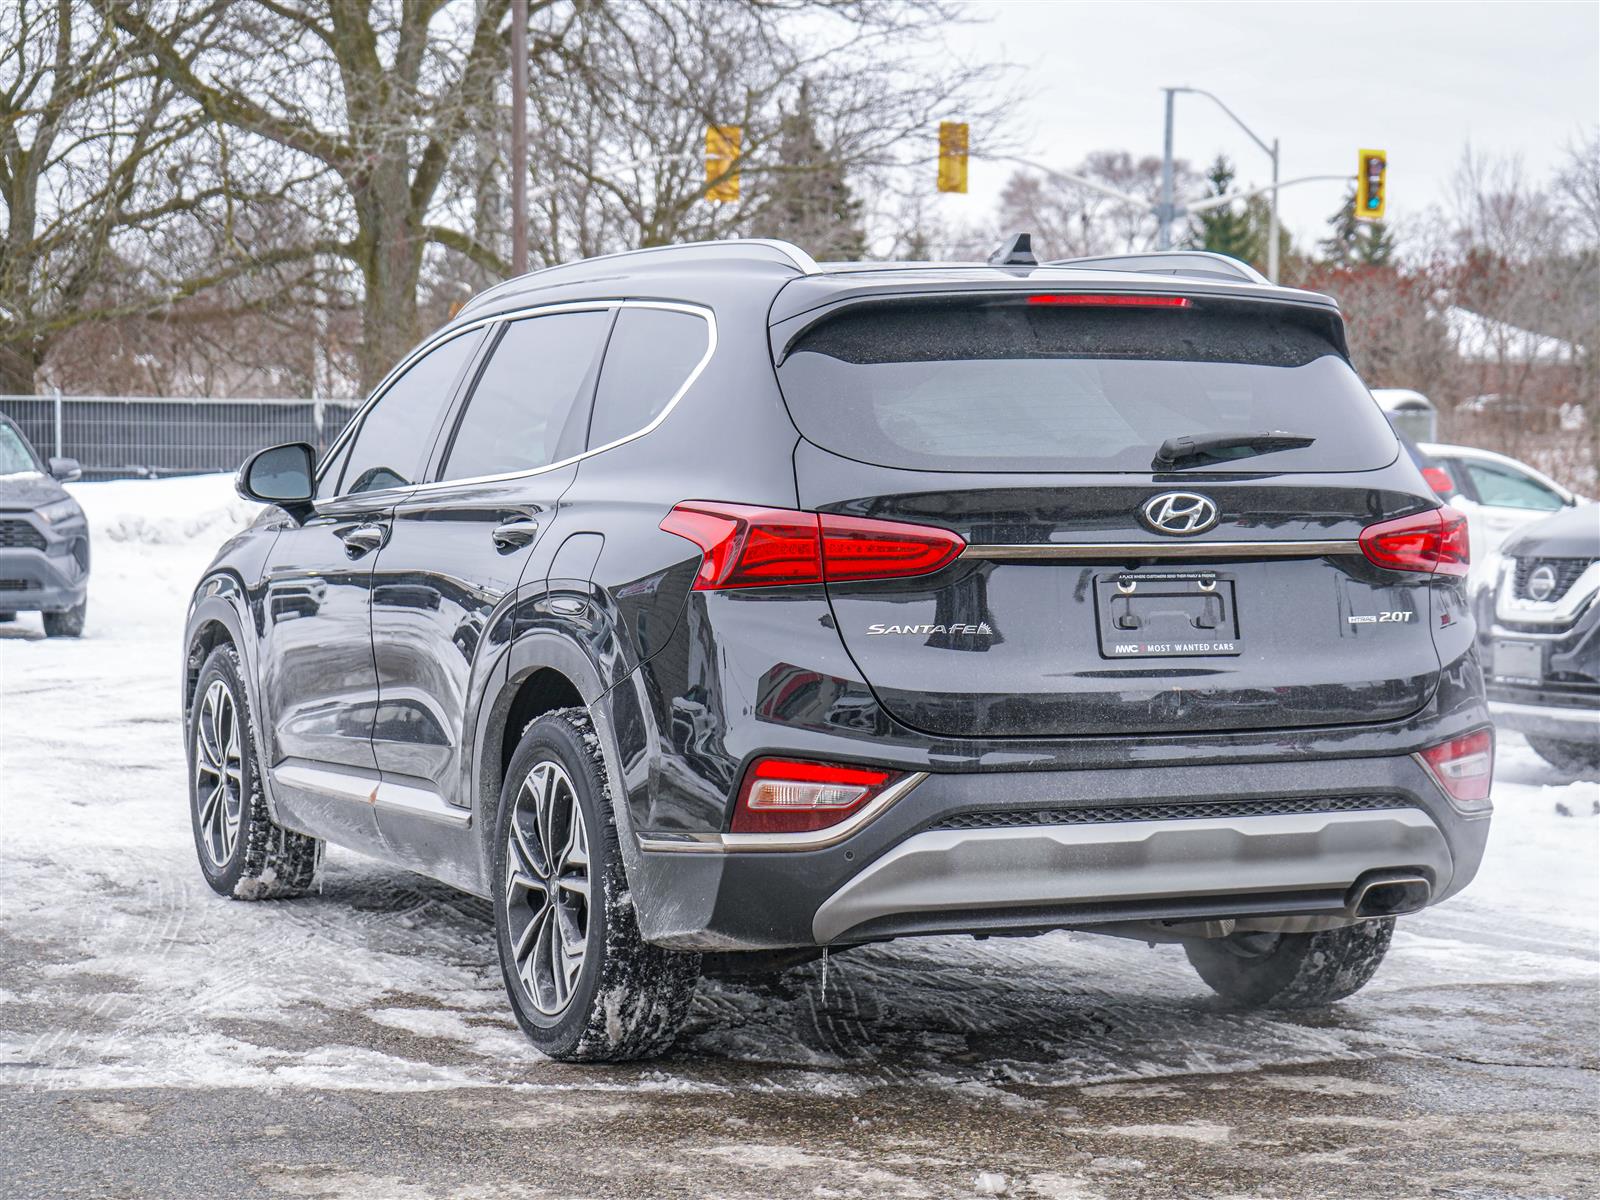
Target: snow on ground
x=123 y=968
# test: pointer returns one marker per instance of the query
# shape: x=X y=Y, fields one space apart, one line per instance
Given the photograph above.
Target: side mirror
x=278 y=475
x=66 y=470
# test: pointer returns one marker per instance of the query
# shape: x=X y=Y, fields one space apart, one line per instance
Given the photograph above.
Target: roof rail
x=734 y=249
x=1201 y=263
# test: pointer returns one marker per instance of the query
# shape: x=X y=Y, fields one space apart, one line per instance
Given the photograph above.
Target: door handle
x=363 y=539
x=514 y=533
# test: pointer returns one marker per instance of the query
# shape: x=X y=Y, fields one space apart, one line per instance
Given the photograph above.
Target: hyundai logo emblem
x=1541 y=583
x=1179 y=513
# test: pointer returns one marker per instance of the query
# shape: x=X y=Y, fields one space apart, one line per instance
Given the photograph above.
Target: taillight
x=1439 y=480
x=1087 y=300
x=782 y=795
x=1463 y=767
x=743 y=546
x=1434 y=542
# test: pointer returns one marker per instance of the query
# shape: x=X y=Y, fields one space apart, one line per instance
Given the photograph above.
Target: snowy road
x=156 y=1040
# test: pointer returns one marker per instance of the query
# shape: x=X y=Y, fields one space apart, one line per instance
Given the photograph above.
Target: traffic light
x=952 y=156
x=1371 y=180
x=722 y=152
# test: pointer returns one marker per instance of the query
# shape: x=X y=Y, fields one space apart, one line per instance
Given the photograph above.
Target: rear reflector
x=1463 y=767
x=1100 y=301
x=788 y=796
x=1434 y=542
x=743 y=546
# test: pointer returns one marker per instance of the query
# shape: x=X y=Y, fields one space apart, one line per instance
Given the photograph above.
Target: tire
x=243 y=853
x=66 y=624
x=1575 y=758
x=584 y=986
x=1291 y=970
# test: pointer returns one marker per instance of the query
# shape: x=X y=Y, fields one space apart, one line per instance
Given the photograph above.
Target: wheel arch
x=546 y=671
x=216 y=615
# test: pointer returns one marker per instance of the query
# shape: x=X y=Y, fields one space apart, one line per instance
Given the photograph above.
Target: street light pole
x=1271 y=151
x=519 y=137
x=1164 y=216
x=1272 y=226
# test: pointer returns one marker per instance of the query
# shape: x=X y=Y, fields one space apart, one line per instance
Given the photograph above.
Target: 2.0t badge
x=1179 y=513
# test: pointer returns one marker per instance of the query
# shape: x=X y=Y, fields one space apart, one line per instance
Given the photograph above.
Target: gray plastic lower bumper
x=37 y=581
x=1067 y=865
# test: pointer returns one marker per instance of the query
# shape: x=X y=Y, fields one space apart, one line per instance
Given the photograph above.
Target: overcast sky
x=1419 y=80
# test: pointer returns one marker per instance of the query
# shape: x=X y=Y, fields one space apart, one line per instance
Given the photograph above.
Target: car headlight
x=58 y=511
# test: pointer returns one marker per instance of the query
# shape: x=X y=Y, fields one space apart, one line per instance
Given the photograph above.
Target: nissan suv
x=706 y=607
x=1544 y=639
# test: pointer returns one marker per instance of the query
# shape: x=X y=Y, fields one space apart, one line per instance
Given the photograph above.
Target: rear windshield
x=1007 y=385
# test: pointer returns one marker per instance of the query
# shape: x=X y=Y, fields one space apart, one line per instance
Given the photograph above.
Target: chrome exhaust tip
x=1388 y=894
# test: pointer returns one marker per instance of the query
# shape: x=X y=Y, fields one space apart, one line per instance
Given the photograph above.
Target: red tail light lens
x=1439 y=480
x=786 y=796
x=743 y=546
x=1463 y=767
x=1098 y=301
x=1433 y=542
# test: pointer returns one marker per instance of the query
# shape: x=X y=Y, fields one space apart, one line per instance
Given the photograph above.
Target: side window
x=529 y=404
x=651 y=354
x=1511 y=489
x=391 y=446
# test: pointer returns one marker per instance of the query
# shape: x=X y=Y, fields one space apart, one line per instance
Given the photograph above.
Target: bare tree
x=1075 y=221
x=377 y=95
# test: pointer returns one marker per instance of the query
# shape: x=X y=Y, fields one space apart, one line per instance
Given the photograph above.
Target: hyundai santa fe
x=707 y=607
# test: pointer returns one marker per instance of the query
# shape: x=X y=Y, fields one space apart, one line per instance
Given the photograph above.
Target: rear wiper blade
x=1220 y=447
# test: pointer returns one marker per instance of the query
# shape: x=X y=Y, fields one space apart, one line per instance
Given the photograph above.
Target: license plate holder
x=1168 y=614
x=1519 y=660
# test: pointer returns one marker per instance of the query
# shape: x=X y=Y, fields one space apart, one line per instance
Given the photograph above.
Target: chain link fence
x=127 y=437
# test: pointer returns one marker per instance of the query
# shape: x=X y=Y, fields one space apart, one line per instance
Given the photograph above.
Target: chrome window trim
x=723 y=843
x=1093 y=551
x=517 y=314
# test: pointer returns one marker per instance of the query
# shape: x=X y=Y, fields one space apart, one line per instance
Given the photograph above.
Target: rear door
x=1101 y=593
x=442 y=586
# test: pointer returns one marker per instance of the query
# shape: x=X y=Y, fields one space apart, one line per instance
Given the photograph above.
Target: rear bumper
x=1563 y=722
x=49 y=580
x=1013 y=851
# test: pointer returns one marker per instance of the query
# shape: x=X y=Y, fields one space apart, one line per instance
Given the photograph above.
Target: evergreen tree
x=1354 y=243
x=811 y=204
x=1227 y=229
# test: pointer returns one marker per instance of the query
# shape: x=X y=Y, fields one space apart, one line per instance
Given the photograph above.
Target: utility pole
x=1164 y=213
x=519 y=137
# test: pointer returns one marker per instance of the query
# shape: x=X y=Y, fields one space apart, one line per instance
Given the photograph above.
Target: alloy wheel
x=218 y=774
x=547 y=887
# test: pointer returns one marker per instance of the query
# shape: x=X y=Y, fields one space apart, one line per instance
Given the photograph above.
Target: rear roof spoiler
x=1201 y=264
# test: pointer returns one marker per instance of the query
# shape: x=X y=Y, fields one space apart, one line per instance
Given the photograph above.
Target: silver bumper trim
x=1038 y=865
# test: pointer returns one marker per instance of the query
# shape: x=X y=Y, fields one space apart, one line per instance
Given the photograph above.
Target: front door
x=319 y=683
x=446 y=577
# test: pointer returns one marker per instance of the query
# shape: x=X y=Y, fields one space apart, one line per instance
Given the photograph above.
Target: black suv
x=708 y=606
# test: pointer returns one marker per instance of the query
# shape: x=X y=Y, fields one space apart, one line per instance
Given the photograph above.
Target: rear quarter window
x=1003 y=385
x=651 y=355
